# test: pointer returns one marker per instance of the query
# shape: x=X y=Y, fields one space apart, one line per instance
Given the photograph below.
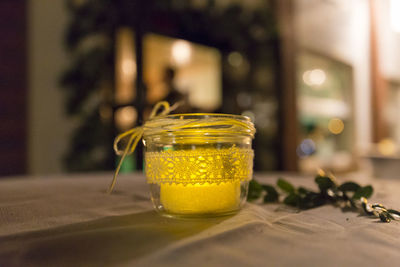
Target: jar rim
x=204 y=116
x=200 y=124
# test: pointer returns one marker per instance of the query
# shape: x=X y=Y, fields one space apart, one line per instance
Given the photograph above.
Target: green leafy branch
x=348 y=195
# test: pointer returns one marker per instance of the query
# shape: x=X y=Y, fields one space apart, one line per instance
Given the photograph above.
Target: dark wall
x=13 y=87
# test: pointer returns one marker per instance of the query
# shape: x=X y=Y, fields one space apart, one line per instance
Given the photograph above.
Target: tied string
x=135 y=134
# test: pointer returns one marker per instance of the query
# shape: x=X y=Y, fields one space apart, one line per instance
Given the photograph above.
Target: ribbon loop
x=135 y=135
x=161 y=104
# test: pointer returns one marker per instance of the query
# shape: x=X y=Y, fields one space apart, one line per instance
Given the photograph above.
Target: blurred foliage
x=89 y=80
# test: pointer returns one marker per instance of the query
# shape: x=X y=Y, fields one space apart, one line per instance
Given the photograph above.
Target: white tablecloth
x=70 y=221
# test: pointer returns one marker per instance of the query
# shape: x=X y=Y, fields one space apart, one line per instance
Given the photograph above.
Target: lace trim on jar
x=199 y=166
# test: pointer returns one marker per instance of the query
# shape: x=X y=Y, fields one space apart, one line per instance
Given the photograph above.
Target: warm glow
x=125 y=66
x=200 y=79
x=336 y=126
x=200 y=198
x=128 y=66
x=315 y=77
x=125 y=117
x=387 y=147
x=395 y=15
x=181 y=52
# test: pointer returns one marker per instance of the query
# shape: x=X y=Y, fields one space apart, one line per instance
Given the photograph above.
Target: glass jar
x=198 y=164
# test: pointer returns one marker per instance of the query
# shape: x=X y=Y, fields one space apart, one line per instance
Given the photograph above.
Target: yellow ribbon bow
x=135 y=136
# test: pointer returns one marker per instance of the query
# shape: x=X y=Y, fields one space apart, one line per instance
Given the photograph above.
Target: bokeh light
x=315 y=77
x=235 y=59
x=181 y=52
x=128 y=66
x=336 y=126
x=306 y=148
x=387 y=147
x=125 y=117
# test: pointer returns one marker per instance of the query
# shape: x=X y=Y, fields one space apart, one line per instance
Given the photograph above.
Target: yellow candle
x=200 y=198
x=199 y=181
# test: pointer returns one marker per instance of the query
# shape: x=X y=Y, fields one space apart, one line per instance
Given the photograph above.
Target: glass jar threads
x=198 y=164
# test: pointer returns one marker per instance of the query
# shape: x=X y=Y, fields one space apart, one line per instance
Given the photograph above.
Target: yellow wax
x=200 y=198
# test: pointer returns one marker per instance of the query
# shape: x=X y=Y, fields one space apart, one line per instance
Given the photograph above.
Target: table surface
x=70 y=221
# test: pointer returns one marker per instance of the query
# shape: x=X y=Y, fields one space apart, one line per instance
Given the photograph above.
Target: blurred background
x=319 y=78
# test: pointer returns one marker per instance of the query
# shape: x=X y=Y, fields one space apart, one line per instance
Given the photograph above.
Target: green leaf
x=349 y=187
x=312 y=200
x=365 y=191
x=255 y=190
x=292 y=200
x=324 y=183
x=285 y=186
x=272 y=195
x=303 y=191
